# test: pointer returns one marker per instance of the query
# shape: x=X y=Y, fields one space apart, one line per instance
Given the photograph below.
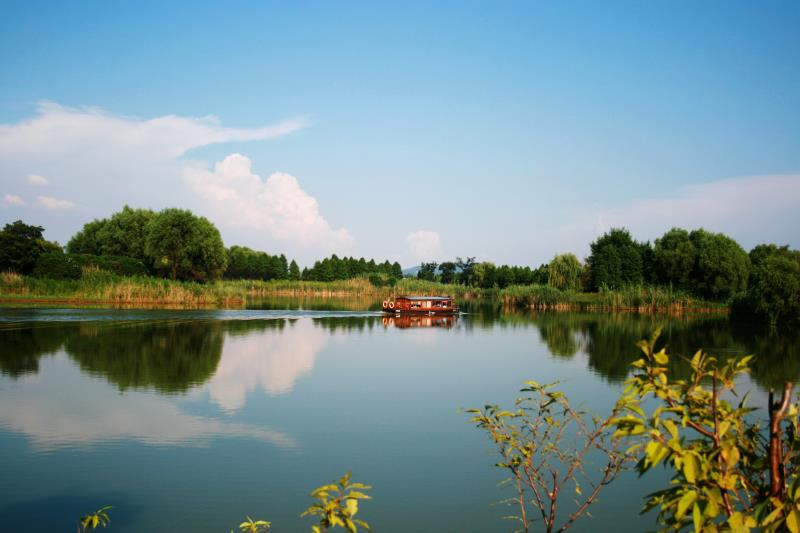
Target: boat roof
x=425 y=297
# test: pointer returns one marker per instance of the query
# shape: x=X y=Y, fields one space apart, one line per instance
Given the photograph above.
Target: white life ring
x=385 y=304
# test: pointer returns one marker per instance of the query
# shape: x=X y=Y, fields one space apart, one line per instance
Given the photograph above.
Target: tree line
x=171 y=243
x=764 y=282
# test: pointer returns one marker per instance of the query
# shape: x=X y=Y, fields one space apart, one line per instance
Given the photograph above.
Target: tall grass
x=101 y=287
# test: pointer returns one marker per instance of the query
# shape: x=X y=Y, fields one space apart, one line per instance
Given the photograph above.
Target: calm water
x=190 y=420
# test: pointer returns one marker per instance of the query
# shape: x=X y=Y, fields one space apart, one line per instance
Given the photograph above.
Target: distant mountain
x=411 y=271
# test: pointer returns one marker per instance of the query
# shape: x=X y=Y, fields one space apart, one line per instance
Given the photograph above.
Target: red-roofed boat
x=421 y=305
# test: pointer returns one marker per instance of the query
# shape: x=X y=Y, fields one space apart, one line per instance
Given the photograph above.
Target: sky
x=509 y=131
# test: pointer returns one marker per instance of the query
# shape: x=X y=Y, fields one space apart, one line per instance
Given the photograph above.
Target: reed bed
x=97 y=287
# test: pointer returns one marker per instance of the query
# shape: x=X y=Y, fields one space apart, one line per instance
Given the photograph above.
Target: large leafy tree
x=87 y=241
x=774 y=289
x=615 y=260
x=184 y=246
x=722 y=266
x=675 y=257
x=21 y=245
x=123 y=234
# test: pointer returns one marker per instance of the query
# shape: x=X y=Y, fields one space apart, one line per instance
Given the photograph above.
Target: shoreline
x=148 y=292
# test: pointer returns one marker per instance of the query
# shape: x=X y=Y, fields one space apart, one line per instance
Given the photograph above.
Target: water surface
x=190 y=420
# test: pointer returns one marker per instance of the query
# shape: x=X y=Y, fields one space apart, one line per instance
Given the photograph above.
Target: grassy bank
x=103 y=288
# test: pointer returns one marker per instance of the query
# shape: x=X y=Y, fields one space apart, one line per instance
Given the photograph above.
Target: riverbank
x=99 y=288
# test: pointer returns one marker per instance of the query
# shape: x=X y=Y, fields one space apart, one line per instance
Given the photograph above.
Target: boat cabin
x=429 y=305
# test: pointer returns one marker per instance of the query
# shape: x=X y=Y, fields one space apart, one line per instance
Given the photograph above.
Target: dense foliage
x=710 y=265
x=485 y=275
x=334 y=268
x=21 y=245
x=55 y=265
x=123 y=234
x=773 y=292
x=616 y=260
x=244 y=263
x=184 y=246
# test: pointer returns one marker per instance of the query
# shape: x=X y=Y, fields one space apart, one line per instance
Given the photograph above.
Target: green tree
x=21 y=245
x=86 y=241
x=483 y=275
x=294 y=271
x=722 y=267
x=466 y=268
x=448 y=272
x=615 y=260
x=125 y=233
x=675 y=258
x=185 y=246
x=564 y=272
x=773 y=292
x=427 y=271
x=397 y=270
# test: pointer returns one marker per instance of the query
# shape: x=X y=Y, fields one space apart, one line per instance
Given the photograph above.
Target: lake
x=190 y=420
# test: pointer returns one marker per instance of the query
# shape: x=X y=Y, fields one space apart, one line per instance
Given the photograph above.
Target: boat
x=421 y=305
x=419 y=321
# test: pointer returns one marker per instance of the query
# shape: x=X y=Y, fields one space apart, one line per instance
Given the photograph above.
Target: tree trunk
x=777 y=411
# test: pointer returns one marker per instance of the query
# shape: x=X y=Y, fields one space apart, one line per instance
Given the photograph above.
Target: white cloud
x=48 y=202
x=424 y=245
x=37 y=181
x=109 y=160
x=9 y=200
x=751 y=210
x=58 y=130
x=277 y=206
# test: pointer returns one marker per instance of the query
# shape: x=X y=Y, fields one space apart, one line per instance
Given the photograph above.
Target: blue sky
x=508 y=131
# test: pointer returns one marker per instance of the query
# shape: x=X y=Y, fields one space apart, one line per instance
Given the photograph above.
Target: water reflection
x=235 y=357
x=273 y=360
x=409 y=321
x=63 y=408
x=169 y=357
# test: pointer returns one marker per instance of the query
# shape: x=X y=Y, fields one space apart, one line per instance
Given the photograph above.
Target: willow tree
x=184 y=246
x=564 y=272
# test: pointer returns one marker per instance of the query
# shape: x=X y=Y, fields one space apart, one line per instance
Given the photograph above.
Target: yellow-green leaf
x=793 y=521
x=690 y=467
x=697 y=518
x=683 y=504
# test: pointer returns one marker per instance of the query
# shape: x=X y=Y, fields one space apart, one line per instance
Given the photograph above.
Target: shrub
x=72 y=266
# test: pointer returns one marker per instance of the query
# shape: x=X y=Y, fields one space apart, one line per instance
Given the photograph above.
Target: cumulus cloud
x=424 y=245
x=108 y=160
x=277 y=206
x=36 y=180
x=10 y=200
x=48 y=202
x=751 y=209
